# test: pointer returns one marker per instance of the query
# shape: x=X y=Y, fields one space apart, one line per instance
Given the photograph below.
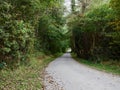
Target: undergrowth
x=26 y=77
x=107 y=66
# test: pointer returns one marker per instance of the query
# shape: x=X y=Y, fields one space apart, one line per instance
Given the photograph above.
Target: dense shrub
x=93 y=36
x=25 y=24
x=16 y=34
x=15 y=41
x=51 y=36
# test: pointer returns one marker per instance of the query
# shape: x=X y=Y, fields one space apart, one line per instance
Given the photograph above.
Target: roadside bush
x=16 y=34
x=93 y=37
x=27 y=26
x=16 y=39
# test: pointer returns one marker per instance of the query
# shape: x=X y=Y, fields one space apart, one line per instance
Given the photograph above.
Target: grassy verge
x=26 y=77
x=106 y=66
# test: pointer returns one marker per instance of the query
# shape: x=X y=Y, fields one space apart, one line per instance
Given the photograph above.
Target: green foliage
x=115 y=5
x=93 y=36
x=108 y=66
x=51 y=36
x=30 y=25
x=16 y=40
x=50 y=32
x=16 y=31
x=26 y=77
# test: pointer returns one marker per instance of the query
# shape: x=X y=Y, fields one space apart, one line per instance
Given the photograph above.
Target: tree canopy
x=27 y=26
x=93 y=29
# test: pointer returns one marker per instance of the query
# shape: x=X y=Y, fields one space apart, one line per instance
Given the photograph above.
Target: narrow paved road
x=66 y=74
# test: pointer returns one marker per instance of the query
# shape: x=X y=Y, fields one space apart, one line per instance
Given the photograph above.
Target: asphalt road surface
x=65 y=73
